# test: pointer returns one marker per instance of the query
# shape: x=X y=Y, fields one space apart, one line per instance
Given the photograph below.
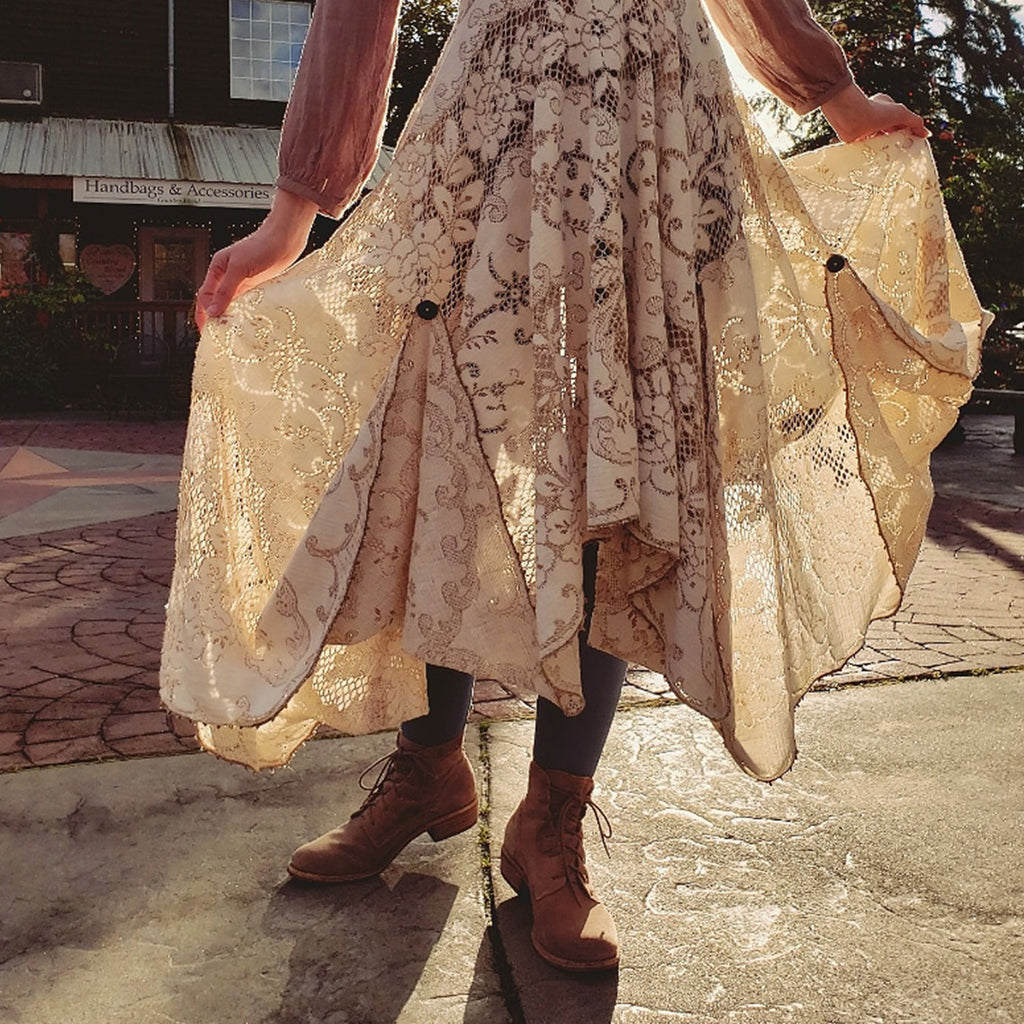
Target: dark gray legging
x=566 y=744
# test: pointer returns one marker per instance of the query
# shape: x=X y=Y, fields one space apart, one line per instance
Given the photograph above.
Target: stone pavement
x=81 y=606
x=878 y=882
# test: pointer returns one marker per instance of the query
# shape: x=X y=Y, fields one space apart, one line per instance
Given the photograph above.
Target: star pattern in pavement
x=64 y=485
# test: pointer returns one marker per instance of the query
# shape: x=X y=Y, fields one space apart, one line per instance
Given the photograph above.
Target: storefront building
x=136 y=140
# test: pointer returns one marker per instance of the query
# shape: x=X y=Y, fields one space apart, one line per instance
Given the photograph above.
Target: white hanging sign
x=165 y=192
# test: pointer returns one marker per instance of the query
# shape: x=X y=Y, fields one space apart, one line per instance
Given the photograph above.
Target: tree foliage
x=959 y=63
x=422 y=30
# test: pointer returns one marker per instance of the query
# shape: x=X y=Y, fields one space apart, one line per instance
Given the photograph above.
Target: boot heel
x=455 y=823
x=512 y=873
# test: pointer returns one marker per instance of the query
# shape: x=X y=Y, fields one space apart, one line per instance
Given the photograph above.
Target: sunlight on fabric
x=780 y=139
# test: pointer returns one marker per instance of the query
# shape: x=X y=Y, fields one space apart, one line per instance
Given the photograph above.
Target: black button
x=835 y=263
x=427 y=309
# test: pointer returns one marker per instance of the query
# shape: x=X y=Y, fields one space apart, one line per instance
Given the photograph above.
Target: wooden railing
x=139 y=353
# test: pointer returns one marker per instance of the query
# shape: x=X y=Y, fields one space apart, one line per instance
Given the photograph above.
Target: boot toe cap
x=324 y=860
x=589 y=944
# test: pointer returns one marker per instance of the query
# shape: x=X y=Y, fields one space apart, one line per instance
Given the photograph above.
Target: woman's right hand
x=271 y=249
x=855 y=116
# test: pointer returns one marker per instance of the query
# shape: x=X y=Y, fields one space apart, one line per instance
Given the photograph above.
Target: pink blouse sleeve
x=335 y=117
x=784 y=48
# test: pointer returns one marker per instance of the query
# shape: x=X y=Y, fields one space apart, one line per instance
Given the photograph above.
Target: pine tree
x=960 y=64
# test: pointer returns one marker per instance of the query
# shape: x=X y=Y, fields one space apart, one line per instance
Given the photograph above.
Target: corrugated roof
x=78 y=147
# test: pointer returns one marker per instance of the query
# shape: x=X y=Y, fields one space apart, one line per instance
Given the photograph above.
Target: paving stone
x=118 y=726
x=921 y=635
x=931 y=658
x=109 y=672
x=970 y=633
x=87 y=748
x=182 y=727
x=17 y=677
x=106 y=693
x=11 y=742
x=11 y=721
x=891 y=642
x=59 y=729
x=72 y=709
x=56 y=686
x=11 y=762
x=489 y=689
x=15 y=703
x=510 y=707
x=961 y=583
x=141 y=700
x=63 y=662
x=99 y=627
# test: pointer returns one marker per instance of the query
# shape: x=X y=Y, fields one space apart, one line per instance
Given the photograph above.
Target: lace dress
x=587 y=301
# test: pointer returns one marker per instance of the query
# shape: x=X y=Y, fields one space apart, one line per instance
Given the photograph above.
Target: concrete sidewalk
x=880 y=881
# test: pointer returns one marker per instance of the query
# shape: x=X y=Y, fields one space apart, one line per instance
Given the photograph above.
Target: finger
x=227 y=288
x=214 y=273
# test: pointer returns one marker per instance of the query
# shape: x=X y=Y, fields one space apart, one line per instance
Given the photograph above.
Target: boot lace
x=570 y=832
x=394 y=766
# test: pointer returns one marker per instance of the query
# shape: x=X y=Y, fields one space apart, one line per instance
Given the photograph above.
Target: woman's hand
x=855 y=116
x=273 y=247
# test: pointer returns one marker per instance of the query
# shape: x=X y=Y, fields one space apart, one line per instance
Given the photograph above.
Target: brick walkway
x=83 y=607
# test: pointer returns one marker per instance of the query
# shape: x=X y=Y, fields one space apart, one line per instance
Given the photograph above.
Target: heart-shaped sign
x=109 y=267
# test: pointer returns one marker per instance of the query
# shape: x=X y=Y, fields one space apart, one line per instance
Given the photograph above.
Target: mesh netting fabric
x=587 y=301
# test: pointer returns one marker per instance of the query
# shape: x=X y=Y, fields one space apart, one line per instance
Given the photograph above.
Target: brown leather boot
x=542 y=856
x=419 y=789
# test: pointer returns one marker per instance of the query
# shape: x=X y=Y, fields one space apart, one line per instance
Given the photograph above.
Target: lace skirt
x=587 y=302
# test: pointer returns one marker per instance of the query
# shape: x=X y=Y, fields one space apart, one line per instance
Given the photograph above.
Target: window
x=266 y=42
x=172 y=262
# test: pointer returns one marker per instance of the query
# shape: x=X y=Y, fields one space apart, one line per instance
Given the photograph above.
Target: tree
x=423 y=28
x=959 y=63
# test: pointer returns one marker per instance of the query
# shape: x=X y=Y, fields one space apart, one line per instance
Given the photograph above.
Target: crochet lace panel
x=587 y=301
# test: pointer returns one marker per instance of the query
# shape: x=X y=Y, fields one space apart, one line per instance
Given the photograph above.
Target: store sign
x=108 y=267
x=161 y=192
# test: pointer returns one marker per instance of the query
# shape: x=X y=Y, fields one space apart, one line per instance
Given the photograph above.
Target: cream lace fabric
x=588 y=301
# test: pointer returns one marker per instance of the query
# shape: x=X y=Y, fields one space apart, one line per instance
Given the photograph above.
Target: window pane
x=174 y=269
x=67 y=248
x=271 y=32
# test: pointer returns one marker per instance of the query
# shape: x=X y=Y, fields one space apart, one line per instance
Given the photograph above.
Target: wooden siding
x=108 y=59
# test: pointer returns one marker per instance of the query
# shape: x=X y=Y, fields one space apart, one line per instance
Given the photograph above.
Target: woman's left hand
x=855 y=116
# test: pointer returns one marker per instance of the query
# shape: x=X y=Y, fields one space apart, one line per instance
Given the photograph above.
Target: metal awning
x=78 y=147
